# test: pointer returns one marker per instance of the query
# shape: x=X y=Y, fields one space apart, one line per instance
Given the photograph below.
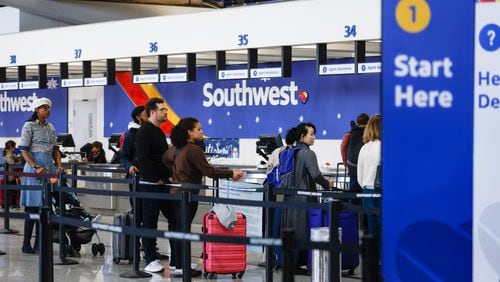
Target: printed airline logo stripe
x=139 y=94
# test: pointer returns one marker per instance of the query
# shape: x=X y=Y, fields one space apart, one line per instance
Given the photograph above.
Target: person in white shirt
x=369 y=159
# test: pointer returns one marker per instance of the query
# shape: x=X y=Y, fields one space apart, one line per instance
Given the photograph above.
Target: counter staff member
x=150 y=145
x=39 y=149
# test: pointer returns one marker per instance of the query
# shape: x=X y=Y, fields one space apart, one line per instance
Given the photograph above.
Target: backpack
x=355 y=144
x=283 y=175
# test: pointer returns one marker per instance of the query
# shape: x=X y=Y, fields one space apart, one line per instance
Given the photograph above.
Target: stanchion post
x=74 y=171
x=334 y=209
x=46 y=255
x=135 y=222
x=135 y=273
x=186 y=245
x=6 y=223
x=288 y=255
x=269 y=232
x=6 y=219
x=62 y=230
x=369 y=259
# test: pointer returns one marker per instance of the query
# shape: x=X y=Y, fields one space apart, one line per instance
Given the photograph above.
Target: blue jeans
x=373 y=219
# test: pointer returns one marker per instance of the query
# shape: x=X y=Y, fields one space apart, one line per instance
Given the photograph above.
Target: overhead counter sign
x=72 y=82
x=95 y=81
x=337 y=69
x=369 y=67
x=29 y=84
x=173 y=77
x=233 y=74
x=8 y=86
x=265 y=72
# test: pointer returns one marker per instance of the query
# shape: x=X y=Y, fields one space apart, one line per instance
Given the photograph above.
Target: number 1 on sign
x=413 y=16
x=413 y=10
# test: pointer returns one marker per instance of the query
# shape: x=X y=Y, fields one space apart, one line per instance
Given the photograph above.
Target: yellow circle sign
x=413 y=15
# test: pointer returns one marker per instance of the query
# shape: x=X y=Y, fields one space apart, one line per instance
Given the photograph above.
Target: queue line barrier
x=288 y=242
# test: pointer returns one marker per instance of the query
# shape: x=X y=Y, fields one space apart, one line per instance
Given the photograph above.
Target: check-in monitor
x=268 y=143
x=65 y=140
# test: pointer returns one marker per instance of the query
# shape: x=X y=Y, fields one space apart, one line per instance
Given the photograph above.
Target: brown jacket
x=191 y=165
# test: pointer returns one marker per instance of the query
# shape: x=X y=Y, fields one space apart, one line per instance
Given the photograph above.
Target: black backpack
x=355 y=144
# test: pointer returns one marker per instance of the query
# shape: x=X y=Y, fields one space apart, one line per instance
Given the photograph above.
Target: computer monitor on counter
x=268 y=143
x=65 y=140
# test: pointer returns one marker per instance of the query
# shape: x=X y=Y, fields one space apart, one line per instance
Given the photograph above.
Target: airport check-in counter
x=243 y=190
x=111 y=203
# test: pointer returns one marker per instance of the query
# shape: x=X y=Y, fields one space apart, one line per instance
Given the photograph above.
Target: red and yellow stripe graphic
x=139 y=94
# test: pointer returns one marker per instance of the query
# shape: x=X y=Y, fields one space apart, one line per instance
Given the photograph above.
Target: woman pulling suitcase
x=188 y=164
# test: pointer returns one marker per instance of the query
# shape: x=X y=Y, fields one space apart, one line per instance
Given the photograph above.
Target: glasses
x=45 y=107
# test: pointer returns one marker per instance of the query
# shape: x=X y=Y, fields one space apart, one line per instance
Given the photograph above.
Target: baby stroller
x=76 y=236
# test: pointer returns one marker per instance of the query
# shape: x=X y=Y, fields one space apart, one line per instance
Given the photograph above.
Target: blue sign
x=222 y=147
x=246 y=108
x=488 y=37
x=15 y=109
x=427 y=140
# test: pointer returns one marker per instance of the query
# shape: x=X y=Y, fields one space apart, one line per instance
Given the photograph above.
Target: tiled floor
x=19 y=267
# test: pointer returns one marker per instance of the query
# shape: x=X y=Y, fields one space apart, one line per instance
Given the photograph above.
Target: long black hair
x=33 y=117
x=179 y=134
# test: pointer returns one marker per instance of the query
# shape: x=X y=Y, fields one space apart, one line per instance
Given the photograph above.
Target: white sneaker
x=154 y=266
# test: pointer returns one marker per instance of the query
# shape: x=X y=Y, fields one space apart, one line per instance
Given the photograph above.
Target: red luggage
x=220 y=258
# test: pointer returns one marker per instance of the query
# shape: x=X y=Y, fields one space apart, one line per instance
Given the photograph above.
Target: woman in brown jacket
x=188 y=164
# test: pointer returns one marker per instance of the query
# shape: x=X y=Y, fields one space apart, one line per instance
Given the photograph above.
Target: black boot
x=36 y=246
x=28 y=231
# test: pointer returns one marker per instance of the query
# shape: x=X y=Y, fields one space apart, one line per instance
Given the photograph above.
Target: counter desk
x=111 y=203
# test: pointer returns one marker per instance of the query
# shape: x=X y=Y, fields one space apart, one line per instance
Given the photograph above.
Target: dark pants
x=373 y=219
x=150 y=212
x=191 y=212
x=167 y=208
x=354 y=186
x=28 y=229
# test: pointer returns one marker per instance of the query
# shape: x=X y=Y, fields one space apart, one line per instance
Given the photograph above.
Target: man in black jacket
x=150 y=144
x=355 y=144
x=128 y=156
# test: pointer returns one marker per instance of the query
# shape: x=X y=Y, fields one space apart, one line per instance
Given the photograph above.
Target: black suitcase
x=122 y=244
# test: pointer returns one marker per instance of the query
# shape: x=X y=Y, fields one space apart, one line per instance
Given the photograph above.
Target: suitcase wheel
x=211 y=275
x=240 y=275
x=351 y=271
x=95 y=249
x=116 y=260
x=101 y=248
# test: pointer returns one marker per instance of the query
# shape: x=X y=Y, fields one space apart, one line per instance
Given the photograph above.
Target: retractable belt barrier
x=333 y=208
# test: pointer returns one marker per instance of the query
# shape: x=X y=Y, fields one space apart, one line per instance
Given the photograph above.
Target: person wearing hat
x=39 y=149
x=128 y=156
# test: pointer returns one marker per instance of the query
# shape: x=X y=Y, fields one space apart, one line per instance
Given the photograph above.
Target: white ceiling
x=75 y=12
